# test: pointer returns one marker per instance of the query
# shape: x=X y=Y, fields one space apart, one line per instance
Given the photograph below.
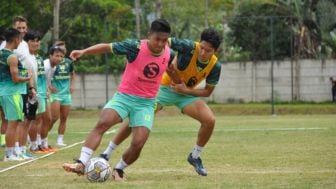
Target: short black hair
x=160 y=25
x=32 y=35
x=54 y=49
x=211 y=36
x=10 y=34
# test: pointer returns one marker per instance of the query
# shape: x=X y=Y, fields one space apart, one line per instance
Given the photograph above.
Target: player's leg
x=139 y=138
x=64 y=113
x=46 y=125
x=123 y=133
x=200 y=111
x=12 y=106
x=108 y=118
x=4 y=124
x=141 y=121
x=43 y=116
x=55 y=112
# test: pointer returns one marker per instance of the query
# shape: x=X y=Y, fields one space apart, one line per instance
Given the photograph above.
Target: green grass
x=253 y=151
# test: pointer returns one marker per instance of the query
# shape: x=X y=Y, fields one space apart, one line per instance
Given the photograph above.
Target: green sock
x=2 y=139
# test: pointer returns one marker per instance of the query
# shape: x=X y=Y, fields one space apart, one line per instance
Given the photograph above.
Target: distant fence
x=305 y=80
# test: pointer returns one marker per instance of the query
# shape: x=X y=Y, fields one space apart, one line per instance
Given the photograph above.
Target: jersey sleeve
x=129 y=47
x=214 y=74
x=182 y=45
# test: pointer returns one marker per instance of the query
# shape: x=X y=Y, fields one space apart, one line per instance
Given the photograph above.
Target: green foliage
x=251 y=30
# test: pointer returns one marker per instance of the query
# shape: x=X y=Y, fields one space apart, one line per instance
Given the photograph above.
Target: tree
x=251 y=30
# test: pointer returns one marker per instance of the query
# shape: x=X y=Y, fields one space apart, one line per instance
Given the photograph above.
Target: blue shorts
x=167 y=97
x=12 y=106
x=140 y=111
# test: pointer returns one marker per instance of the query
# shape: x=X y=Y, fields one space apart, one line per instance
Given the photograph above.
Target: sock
x=110 y=148
x=85 y=155
x=121 y=165
x=17 y=149
x=33 y=145
x=38 y=139
x=23 y=149
x=9 y=151
x=2 y=139
x=196 y=152
x=44 y=142
x=60 y=139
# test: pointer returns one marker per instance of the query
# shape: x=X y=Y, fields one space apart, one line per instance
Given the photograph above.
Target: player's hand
x=179 y=88
x=71 y=89
x=173 y=74
x=76 y=54
x=52 y=89
x=29 y=75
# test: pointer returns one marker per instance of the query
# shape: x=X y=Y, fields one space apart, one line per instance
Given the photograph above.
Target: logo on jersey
x=192 y=81
x=151 y=70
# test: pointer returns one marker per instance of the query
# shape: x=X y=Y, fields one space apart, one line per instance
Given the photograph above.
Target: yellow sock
x=2 y=139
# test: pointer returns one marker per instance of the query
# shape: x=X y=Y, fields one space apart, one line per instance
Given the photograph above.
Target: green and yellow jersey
x=189 y=68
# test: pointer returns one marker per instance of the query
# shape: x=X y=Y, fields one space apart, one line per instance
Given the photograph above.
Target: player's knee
x=209 y=121
x=137 y=146
x=102 y=127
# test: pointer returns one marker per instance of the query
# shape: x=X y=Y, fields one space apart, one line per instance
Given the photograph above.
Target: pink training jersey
x=142 y=77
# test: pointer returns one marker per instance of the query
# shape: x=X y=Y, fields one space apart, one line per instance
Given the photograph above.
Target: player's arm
x=95 y=49
x=72 y=80
x=182 y=88
x=13 y=66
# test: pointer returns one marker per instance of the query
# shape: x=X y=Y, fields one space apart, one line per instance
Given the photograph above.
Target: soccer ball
x=98 y=170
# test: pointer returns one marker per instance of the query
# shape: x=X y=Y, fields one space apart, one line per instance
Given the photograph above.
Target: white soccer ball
x=98 y=170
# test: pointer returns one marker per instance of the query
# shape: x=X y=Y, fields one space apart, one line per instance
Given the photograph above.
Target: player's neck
x=154 y=53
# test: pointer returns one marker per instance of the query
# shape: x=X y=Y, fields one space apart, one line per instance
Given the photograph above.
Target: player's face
x=56 y=58
x=34 y=45
x=205 y=51
x=157 y=41
x=22 y=27
x=17 y=41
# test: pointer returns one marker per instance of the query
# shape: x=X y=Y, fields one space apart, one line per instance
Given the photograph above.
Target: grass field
x=250 y=151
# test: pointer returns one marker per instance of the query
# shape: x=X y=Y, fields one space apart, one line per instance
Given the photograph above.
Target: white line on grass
x=226 y=130
x=46 y=155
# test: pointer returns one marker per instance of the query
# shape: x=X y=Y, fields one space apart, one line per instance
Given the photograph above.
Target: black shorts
x=29 y=107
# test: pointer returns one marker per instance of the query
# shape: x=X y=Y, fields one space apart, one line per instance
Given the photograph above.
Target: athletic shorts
x=42 y=103
x=64 y=100
x=167 y=97
x=29 y=107
x=12 y=106
x=140 y=111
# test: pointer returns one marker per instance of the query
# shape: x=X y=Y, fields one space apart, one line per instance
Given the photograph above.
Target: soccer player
x=135 y=98
x=196 y=61
x=61 y=89
x=32 y=38
x=21 y=24
x=13 y=79
x=56 y=56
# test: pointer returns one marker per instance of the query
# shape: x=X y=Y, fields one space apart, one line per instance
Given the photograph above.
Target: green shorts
x=140 y=111
x=42 y=103
x=12 y=106
x=64 y=100
x=167 y=97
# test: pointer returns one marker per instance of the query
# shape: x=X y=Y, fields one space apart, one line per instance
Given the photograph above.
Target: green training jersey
x=8 y=86
x=131 y=48
x=41 y=78
x=185 y=49
x=62 y=77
